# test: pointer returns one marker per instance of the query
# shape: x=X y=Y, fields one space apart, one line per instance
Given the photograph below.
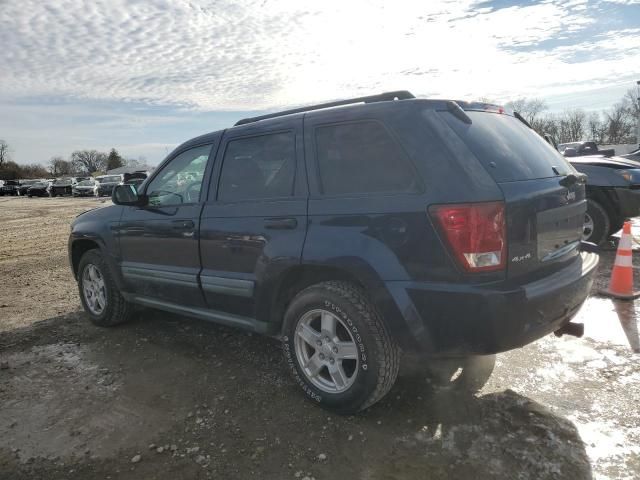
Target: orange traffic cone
x=621 y=283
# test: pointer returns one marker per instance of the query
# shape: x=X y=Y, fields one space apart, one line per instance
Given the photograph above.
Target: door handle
x=281 y=223
x=183 y=224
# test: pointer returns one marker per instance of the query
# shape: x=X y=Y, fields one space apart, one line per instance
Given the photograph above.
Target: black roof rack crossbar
x=382 y=97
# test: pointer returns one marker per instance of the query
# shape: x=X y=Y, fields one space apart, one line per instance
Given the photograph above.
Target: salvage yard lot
x=80 y=402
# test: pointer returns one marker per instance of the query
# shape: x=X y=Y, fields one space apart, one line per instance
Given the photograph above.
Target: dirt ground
x=166 y=397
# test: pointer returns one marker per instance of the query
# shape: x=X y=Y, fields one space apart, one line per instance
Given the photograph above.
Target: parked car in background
x=635 y=155
x=135 y=182
x=352 y=234
x=39 y=189
x=106 y=183
x=62 y=186
x=613 y=194
x=136 y=179
x=85 y=188
x=578 y=149
x=25 y=184
x=10 y=187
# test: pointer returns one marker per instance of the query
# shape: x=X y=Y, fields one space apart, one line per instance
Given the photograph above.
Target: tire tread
x=119 y=310
x=389 y=360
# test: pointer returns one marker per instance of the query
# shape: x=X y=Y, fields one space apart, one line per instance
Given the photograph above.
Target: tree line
x=80 y=163
x=616 y=125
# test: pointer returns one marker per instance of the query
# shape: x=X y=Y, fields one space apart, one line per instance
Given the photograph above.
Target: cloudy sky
x=143 y=76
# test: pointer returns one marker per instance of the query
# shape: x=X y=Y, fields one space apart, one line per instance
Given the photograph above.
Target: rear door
x=254 y=222
x=545 y=207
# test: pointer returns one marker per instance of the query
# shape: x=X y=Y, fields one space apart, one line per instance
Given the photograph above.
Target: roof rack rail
x=381 y=97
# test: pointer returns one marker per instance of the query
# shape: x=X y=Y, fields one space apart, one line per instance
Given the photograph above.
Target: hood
x=602 y=161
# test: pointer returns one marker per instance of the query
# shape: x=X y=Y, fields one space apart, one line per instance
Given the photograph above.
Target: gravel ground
x=165 y=397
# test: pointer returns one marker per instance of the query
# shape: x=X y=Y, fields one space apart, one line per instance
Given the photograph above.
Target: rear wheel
x=338 y=348
x=596 y=223
x=99 y=294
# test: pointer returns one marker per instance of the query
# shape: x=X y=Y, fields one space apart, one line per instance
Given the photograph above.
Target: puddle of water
x=612 y=321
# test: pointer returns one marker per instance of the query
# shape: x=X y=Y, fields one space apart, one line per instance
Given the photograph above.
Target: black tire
x=377 y=352
x=117 y=310
x=601 y=223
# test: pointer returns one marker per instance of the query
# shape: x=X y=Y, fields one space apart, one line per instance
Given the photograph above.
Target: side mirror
x=126 y=195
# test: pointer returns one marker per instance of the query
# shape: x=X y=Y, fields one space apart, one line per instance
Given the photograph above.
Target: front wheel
x=99 y=294
x=596 y=223
x=338 y=348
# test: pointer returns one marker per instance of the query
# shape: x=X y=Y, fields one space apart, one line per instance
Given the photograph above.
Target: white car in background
x=85 y=188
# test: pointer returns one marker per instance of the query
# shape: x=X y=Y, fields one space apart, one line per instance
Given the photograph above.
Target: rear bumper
x=464 y=319
x=629 y=202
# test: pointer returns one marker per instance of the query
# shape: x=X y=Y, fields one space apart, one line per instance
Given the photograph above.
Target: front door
x=159 y=242
x=254 y=221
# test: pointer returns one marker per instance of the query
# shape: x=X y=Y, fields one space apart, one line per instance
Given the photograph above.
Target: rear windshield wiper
x=457 y=111
x=521 y=118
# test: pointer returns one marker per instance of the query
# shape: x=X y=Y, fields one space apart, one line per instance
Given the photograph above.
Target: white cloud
x=260 y=54
x=101 y=73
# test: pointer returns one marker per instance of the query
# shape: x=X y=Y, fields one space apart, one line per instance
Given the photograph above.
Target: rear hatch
x=544 y=195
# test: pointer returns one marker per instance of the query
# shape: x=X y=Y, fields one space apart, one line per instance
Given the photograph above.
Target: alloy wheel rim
x=326 y=351
x=587 y=227
x=94 y=289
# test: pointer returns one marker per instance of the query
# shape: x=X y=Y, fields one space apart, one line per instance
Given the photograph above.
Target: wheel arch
x=605 y=198
x=78 y=249
x=78 y=246
x=295 y=279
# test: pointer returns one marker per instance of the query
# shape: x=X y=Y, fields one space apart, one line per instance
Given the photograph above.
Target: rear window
x=362 y=157
x=258 y=167
x=508 y=149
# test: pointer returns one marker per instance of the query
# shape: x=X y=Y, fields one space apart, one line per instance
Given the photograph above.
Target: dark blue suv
x=352 y=230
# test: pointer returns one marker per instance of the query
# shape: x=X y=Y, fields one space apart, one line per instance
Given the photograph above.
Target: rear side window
x=258 y=167
x=362 y=157
x=508 y=149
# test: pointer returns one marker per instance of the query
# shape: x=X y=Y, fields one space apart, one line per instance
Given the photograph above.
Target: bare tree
x=4 y=152
x=596 y=128
x=632 y=103
x=89 y=161
x=571 y=126
x=546 y=125
x=529 y=109
x=33 y=170
x=58 y=166
x=619 y=124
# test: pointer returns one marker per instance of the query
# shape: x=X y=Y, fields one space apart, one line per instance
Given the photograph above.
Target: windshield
x=86 y=183
x=508 y=149
x=63 y=181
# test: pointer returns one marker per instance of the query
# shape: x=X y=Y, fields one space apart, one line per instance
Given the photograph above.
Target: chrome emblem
x=570 y=196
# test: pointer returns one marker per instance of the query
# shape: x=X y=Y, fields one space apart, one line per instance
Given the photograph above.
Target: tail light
x=475 y=233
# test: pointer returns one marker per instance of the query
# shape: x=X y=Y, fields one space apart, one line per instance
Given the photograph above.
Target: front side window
x=258 y=167
x=180 y=180
x=362 y=157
